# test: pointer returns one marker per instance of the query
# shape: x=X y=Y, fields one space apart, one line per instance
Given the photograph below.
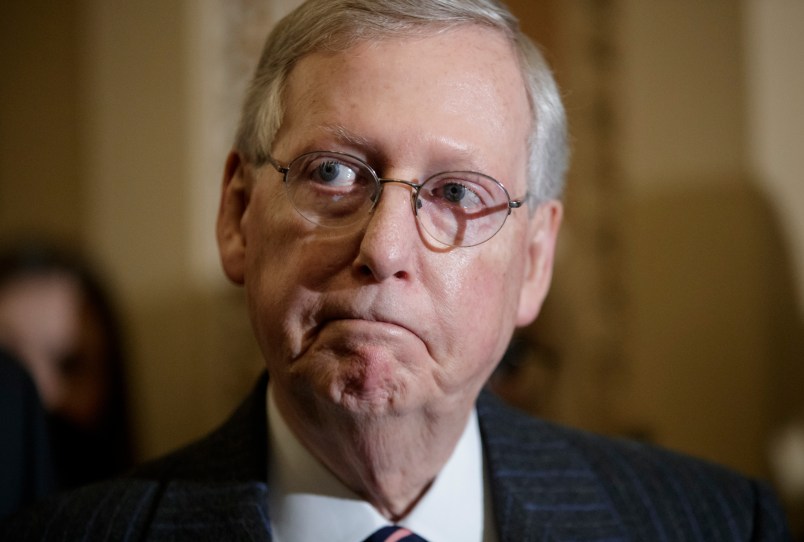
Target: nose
x=48 y=383
x=387 y=248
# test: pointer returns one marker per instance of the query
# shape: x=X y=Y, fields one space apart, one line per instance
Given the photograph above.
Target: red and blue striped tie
x=394 y=534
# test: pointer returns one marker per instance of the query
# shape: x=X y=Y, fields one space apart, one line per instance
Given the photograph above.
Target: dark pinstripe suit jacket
x=549 y=483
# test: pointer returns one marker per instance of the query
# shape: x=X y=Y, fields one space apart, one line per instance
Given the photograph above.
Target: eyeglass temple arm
x=517 y=203
x=262 y=158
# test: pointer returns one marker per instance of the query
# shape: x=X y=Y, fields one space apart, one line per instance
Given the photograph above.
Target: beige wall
x=40 y=183
x=694 y=296
x=715 y=328
x=159 y=122
x=774 y=39
x=135 y=125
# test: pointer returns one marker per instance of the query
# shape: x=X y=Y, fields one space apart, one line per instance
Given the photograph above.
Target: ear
x=540 y=253
x=229 y=228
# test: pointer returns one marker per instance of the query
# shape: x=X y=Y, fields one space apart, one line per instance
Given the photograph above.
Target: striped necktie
x=394 y=534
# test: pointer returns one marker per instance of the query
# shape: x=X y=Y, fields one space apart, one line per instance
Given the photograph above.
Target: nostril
x=366 y=271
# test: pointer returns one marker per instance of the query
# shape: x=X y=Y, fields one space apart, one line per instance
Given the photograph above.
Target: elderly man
x=390 y=208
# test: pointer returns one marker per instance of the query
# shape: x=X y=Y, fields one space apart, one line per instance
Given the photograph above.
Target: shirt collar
x=307 y=500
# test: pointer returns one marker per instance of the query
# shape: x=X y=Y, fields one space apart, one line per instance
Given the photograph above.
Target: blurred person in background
x=58 y=320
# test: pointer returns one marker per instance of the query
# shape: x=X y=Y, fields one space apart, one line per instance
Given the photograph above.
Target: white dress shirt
x=307 y=503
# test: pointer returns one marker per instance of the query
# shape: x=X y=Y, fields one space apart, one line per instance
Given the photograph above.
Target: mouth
x=372 y=328
x=365 y=323
x=368 y=319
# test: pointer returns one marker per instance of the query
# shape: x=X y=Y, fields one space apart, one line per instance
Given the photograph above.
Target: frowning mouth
x=366 y=324
x=363 y=320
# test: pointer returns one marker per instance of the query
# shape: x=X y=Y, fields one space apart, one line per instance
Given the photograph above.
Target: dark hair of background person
x=81 y=453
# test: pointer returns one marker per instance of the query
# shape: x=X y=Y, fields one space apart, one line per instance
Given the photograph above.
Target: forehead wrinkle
x=442 y=154
x=344 y=135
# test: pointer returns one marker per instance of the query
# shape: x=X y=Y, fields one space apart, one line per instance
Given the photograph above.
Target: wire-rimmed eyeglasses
x=456 y=208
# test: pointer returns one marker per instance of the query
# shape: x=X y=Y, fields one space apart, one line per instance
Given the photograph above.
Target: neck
x=389 y=460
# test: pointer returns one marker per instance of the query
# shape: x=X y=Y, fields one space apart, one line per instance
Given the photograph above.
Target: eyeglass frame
x=382 y=181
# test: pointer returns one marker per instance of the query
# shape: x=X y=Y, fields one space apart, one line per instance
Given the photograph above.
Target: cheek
x=269 y=258
x=494 y=311
x=275 y=298
x=287 y=268
x=481 y=317
x=491 y=287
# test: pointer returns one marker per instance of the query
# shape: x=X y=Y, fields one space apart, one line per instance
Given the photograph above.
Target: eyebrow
x=346 y=136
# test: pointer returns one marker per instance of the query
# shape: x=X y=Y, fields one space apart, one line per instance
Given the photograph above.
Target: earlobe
x=539 y=260
x=229 y=228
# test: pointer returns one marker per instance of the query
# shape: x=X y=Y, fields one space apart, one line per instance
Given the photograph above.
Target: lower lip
x=358 y=326
x=368 y=338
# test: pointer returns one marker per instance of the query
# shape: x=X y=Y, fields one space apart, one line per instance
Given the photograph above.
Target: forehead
x=456 y=93
x=42 y=308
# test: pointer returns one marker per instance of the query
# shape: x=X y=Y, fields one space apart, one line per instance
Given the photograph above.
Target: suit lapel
x=195 y=512
x=541 y=487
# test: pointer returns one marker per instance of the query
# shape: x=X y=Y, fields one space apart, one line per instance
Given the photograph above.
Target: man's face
x=380 y=317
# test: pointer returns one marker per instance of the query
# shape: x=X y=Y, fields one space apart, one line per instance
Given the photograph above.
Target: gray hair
x=338 y=25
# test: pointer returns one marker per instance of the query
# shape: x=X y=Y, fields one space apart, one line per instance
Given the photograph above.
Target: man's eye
x=334 y=173
x=454 y=192
x=457 y=194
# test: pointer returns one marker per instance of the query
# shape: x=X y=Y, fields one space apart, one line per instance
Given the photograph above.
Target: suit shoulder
x=648 y=489
x=123 y=508
x=111 y=510
x=519 y=434
x=235 y=451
